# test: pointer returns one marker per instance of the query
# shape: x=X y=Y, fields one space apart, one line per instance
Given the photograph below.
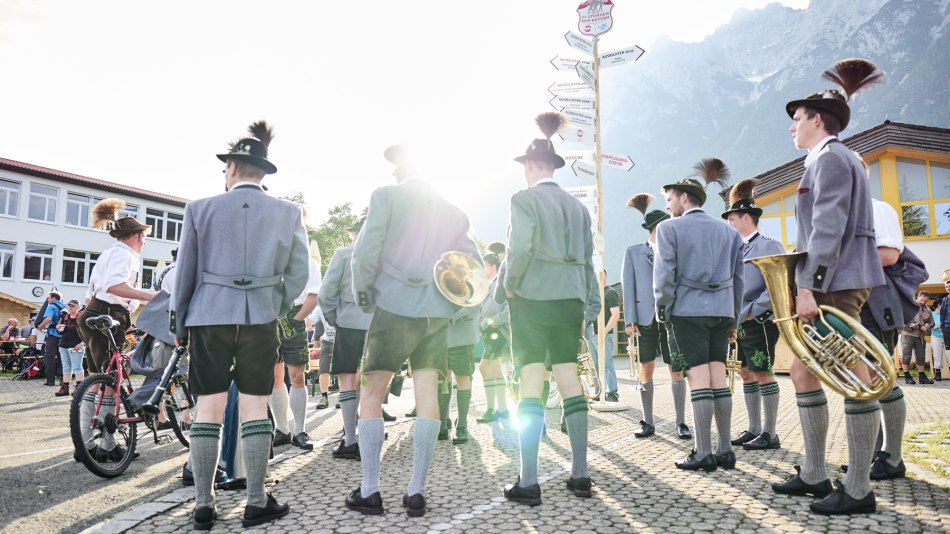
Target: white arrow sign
x=578 y=42
x=566 y=63
x=565 y=101
x=578 y=134
x=621 y=162
x=579 y=117
x=574 y=155
x=619 y=57
x=586 y=73
x=584 y=170
x=569 y=88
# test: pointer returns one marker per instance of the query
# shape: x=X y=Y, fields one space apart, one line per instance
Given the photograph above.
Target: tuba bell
x=461 y=279
x=587 y=371
x=834 y=344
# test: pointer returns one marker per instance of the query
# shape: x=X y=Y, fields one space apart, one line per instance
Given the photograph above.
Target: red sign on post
x=594 y=17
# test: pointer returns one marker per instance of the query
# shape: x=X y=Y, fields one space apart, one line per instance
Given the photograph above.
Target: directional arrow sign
x=623 y=163
x=584 y=170
x=573 y=155
x=566 y=63
x=569 y=88
x=578 y=42
x=619 y=57
x=586 y=73
x=578 y=134
x=579 y=117
x=565 y=101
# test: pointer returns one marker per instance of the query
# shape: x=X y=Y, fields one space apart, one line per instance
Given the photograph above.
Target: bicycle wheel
x=179 y=406
x=96 y=425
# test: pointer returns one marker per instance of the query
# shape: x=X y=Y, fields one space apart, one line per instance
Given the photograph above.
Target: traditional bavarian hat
x=741 y=199
x=641 y=202
x=852 y=75
x=104 y=217
x=711 y=170
x=543 y=149
x=253 y=149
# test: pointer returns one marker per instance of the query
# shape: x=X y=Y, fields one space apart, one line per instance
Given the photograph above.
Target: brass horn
x=834 y=344
x=633 y=350
x=733 y=365
x=587 y=371
x=461 y=279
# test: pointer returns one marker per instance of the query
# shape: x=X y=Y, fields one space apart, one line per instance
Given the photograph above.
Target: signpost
x=579 y=134
x=579 y=117
x=584 y=170
x=586 y=73
x=570 y=88
x=578 y=42
x=621 y=162
x=619 y=57
x=566 y=63
x=570 y=101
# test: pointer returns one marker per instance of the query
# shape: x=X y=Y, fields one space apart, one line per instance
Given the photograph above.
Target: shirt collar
x=816 y=150
x=246 y=183
x=126 y=247
x=692 y=210
x=750 y=237
x=548 y=180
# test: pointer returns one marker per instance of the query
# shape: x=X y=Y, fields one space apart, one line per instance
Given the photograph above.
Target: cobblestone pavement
x=637 y=488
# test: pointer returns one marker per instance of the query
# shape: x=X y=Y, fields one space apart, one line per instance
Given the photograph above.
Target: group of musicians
x=243 y=263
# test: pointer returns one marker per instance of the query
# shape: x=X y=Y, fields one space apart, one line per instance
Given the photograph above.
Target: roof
x=75 y=179
x=886 y=134
x=21 y=302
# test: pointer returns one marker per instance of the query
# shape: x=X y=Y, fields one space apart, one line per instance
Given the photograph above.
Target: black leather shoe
x=257 y=515
x=281 y=439
x=682 y=431
x=415 y=506
x=726 y=460
x=840 y=503
x=351 y=452
x=443 y=433
x=115 y=455
x=613 y=397
x=690 y=463
x=388 y=418
x=922 y=378
x=412 y=413
x=744 y=438
x=881 y=469
x=501 y=415
x=487 y=417
x=763 y=442
x=323 y=403
x=580 y=486
x=372 y=505
x=909 y=379
x=302 y=441
x=461 y=435
x=646 y=430
x=188 y=477
x=92 y=452
x=794 y=485
x=563 y=426
x=203 y=518
x=530 y=495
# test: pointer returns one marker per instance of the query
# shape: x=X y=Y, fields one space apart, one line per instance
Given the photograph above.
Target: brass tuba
x=834 y=344
x=587 y=371
x=461 y=279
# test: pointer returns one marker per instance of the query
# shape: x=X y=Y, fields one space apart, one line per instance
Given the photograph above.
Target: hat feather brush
x=104 y=213
x=853 y=75
x=641 y=202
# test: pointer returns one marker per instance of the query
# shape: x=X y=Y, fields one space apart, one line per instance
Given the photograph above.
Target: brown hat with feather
x=550 y=123
x=741 y=199
x=852 y=75
x=253 y=149
x=641 y=202
x=104 y=217
x=710 y=171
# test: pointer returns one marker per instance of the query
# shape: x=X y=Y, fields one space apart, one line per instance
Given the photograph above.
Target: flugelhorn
x=587 y=371
x=633 y=350
x=733 y=365
x=461 y=279
x=834 y=344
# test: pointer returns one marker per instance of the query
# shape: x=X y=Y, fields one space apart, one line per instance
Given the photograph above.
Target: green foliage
x=334 y=232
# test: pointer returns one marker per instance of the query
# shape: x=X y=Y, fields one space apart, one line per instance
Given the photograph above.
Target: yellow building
x=909 y=168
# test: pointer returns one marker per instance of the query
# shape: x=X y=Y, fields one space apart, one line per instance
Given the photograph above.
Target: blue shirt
x=53 y=312
x=937 y=332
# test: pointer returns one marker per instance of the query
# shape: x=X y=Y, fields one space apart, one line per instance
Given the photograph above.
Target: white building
x=46 y=241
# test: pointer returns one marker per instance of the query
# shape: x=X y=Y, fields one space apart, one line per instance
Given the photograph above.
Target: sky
x=145 y=94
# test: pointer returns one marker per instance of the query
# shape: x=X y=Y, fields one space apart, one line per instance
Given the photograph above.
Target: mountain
x=725 y=96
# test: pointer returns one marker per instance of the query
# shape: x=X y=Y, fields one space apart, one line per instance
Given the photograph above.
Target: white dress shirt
x=117 y=264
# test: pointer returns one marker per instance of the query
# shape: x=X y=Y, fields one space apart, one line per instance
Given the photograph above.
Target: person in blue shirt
x=937 y=341
x=54 y=308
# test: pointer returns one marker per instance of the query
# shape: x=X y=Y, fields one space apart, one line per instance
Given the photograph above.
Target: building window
x=9 y=197
x=78 y=208
x=778 y=220
x=7 y=251
x=43 y=202
x=924 y=188
x=874 y=179
x=129 y=211
x=77 y=266
x=149 y=271
x=165 y=225
x=38 y=262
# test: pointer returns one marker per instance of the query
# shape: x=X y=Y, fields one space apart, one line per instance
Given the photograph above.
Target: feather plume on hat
x=104 y=214
x=742 y=190
x=854 y=75
x=712 y=170
x=641 y=202
x=262 y=131
x=551 y=122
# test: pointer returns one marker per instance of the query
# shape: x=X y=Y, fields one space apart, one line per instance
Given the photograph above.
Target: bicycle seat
x=102 y=322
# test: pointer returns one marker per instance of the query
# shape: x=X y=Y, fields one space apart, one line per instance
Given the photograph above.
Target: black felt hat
x=741 y=199
x=543 y=149
x=253 y=149
x=852 y=75
x=104 y=217
x=710 y=170
x=492 y=259
x=654 y=218
x=358 y=225
x=641 y=201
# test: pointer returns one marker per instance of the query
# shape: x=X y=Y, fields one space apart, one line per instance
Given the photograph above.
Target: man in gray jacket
x=548 y=277
x=232 y=285
x=407 y=229
x=697 y=283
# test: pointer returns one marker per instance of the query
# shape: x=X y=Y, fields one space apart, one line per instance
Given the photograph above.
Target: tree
x=334 y=232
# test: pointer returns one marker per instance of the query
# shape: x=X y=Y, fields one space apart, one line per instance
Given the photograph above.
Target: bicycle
x=108 y=423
